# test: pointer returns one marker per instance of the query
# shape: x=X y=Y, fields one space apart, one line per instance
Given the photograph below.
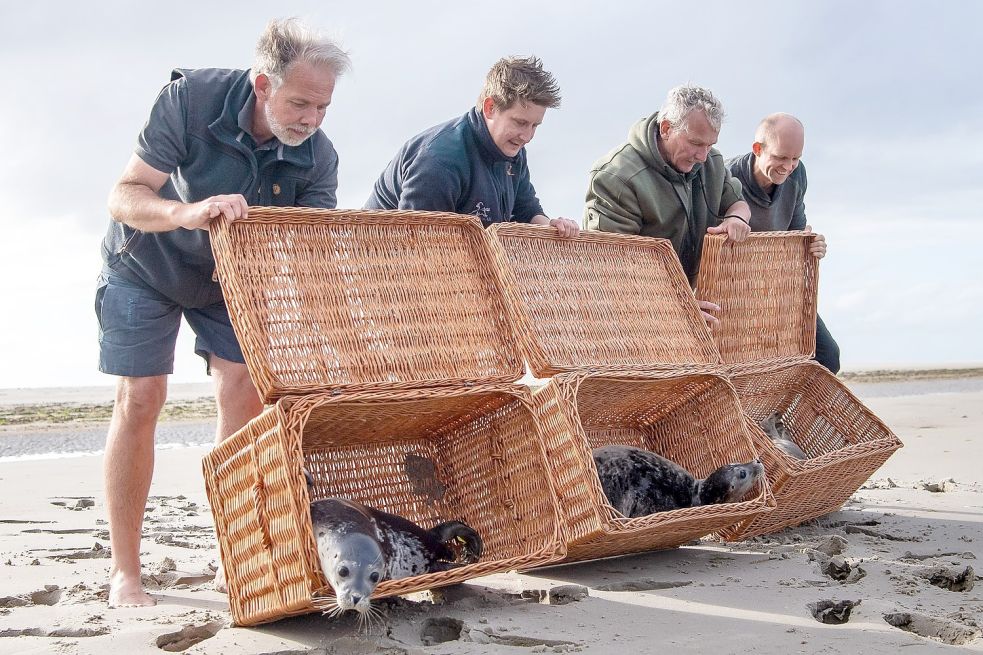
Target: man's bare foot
x=220 y=584
x=127 y=591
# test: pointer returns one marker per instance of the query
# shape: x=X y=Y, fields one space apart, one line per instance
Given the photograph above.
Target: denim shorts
x=138 y=329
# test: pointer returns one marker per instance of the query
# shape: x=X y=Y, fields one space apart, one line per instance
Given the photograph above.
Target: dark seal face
x=729 y=483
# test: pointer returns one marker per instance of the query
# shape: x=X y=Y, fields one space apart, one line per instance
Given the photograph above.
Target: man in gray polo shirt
x=774 y=185
x=216 y=142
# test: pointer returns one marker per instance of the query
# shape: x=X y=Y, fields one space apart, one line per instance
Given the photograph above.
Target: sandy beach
x=904 y=547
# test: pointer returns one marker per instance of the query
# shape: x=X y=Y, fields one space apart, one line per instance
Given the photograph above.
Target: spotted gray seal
x=774 y=427
x=639 y=482
x=359 y=547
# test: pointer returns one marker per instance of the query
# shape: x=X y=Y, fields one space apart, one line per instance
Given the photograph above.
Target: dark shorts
x=138 y=329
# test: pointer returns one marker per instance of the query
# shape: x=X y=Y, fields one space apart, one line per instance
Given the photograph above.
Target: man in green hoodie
x=668 y=181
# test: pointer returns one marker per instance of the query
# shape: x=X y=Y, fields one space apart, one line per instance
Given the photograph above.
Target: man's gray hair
x=683 y=99
x=287 y=41
x=514 y=79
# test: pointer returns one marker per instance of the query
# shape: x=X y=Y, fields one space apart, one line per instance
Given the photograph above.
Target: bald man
x=774 y=185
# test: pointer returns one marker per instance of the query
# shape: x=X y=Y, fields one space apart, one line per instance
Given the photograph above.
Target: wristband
x=737 y=217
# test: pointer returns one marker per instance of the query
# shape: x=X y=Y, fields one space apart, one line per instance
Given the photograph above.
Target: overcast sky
x=890 y=93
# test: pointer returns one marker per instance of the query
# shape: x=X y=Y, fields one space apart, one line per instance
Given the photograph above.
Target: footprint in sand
x=85 y=502
x=832 y=612
x=55 y=632
x=944 y=630
x=50 y=595
x=98 y=551
x=950 y=579
x=643 y=585
x=175 y=642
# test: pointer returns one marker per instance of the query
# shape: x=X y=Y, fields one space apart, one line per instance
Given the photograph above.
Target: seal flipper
x=463 y=542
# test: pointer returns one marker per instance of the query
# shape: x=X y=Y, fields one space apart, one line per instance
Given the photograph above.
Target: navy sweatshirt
x=456 y=167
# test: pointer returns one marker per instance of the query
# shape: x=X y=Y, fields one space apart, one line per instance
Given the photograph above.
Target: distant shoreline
x=85 y=406
x=906 y=374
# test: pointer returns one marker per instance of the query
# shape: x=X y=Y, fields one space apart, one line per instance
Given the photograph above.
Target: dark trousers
x=827 y=351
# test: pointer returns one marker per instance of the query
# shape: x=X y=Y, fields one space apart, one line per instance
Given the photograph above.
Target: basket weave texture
x=846 y=443
x=385 y=337
x=599 y=301
x=692 y=419
x=338 y=299
x=613 y=317
x=766 y=288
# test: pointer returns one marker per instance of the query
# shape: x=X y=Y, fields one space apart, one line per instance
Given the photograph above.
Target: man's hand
x=706 y=307
x=818 y=246
x=199 y=214
x=567 y=228
x=135 y=201
x=735 y=229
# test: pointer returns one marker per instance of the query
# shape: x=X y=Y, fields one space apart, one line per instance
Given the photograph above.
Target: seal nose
x=356 y=599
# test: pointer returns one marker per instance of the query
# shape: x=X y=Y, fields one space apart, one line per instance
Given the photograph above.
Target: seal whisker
x=375 y=617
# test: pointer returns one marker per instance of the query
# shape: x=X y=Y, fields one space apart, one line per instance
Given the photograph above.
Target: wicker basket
x=766 y=288
x=599 y=301
x=427 y=455
x=845 y=443
x=385 y=339
x=617 y=314
x=692 y=419
x=329 y=300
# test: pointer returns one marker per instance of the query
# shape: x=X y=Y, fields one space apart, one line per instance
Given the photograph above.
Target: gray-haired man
x=216 y=142
x=668 y=181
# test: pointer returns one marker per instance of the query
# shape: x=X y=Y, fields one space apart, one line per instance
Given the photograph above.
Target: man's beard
x=280 y=130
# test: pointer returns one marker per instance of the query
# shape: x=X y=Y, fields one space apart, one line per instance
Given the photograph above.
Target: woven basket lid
x=766 y=287
x=600 y=301
x=333 y=300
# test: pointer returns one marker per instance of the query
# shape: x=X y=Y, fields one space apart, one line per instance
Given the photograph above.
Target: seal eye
x=343 y=572
x=743 y=474
x=374 y=577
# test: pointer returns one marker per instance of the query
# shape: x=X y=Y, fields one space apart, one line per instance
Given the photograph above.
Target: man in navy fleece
x=476 y=164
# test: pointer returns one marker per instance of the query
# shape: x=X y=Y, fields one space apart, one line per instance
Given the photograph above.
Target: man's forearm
x=139 y=206
x=740 y=209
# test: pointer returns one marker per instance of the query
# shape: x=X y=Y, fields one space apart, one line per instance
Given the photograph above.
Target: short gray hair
x=287 y=41
x=514 y=79
x=683 y=99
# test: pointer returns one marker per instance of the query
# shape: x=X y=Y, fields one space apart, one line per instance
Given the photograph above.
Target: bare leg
x=235 y=397
x=237 y=403
x=128 y=470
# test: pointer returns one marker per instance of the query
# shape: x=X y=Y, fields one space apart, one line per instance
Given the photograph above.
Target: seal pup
x=774 y=427
x=638 y=482
x=359 y=547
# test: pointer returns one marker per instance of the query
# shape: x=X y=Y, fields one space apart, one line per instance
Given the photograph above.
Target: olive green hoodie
x=633 y=190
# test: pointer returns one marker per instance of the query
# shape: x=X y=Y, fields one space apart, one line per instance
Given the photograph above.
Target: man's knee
x=140 y=397
x=232 y=381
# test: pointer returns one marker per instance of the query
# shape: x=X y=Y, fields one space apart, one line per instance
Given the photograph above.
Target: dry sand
x=913 y=531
